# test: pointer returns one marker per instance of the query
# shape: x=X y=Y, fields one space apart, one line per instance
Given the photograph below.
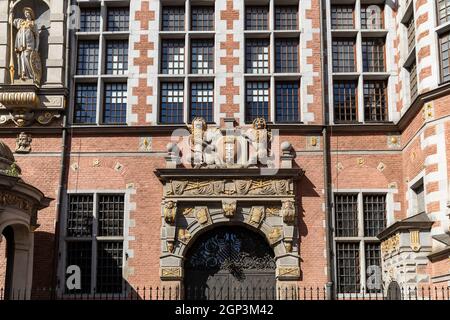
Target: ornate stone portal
x=215 y=188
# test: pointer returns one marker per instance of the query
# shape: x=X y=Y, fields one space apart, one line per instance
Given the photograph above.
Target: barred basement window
x=358 y=217
x=117 y=57
x=173 y=19
x=257 y=18
x=286 y=55
x=257 y=56
x=342 y=17
x=85 y=103
x=345 y=101
x=346 y=215
x=79 y=253
x=202 y=100
x=411 y=34
x=202 y=18
x=202 y=52
x=288 y=102
x=286 y=17
x=375 y=105
x=373 y=263
x=109 y=266
x=257 y=100
x=374 y=214
x=373 y=55
x=172 y=57
x=444 y=44
x=118 y=19
x=348 y=267
x=79 y=215
x=171 y=104
x=443 y=11
x=87 y=59
x=107 y=238
x=90 y=20
x=372 y=17
x=344 y=55
x=115 y=106
x=413 y=81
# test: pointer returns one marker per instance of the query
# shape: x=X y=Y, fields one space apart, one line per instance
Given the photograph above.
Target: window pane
x=342 y=17
x=444 y=42
x=348 y=272
x=202 y=100
x=374 y=214
x=256 y=18
x=118 y=19
x=85 y=103
x=373 y=262
x=257 y=100
x=172 y=57
x=79 y=216
x=286 y=17
x=375 y=107
x=202 y=56
x=172 y=100
x=411 y=34
x=286 y=55
x=443 y=11
x=173 y=19
x=87 y=60
x=373 y=55
x=117 y=57
x=372 y=17
x=346 y=215
x=90 y=20
x=257 y=56
x=413 y=81
x=202 y=18
x=115 y=108
x=345 y=101
x=344 y=55
x=109 y=266
x=288 y=102
x=110 y=215
x=79 y=253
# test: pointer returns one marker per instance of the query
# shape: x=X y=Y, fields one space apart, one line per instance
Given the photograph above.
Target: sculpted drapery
x=26 y=46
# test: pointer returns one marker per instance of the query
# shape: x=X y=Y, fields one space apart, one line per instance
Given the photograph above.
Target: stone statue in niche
x=23 y=143
x=26 y=46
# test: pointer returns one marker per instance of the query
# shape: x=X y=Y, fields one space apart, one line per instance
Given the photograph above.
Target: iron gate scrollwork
x=230 y=263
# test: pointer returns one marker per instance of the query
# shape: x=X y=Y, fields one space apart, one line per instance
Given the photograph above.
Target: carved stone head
x=28 y=13
x=23 y=143
x=259 y=124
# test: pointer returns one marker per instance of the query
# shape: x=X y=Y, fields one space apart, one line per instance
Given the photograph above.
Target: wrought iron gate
x=230 y=263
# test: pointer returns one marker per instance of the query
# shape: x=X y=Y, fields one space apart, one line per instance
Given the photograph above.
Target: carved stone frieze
x=8 y=199
x=251 y=187
x=391 y=244
x=171 y=272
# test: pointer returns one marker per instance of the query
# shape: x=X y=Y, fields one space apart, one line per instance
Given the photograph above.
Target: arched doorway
x=230 y=262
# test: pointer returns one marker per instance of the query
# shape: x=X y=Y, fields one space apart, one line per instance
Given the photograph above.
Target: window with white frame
x=94 y=237
x=101 y=58
x=358 y=218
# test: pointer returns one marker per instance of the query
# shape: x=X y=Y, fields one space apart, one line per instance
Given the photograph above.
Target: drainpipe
x=62 y=177
x=326 y=156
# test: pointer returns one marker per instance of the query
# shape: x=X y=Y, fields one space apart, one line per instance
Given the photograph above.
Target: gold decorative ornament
x=202 y=215
x=273 y=211
x=360 y=161
x=288 y=245
x=414 y=236
x=256 y=215
x=170 y=246
x=391 y=244
x=288 y=271
x=184 y=236
x=171 y=272
x=229 y=208
x=275 y=234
